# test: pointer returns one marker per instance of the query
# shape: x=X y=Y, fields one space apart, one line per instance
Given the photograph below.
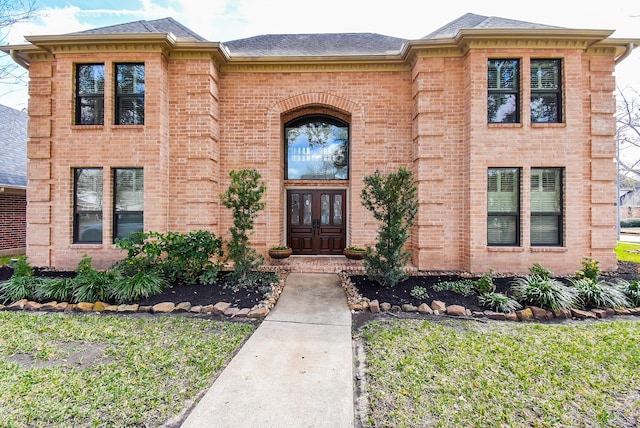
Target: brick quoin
x=206 y=115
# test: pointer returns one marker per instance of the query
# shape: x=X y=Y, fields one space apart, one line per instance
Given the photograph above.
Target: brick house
x=13 y=181
x=506 y=125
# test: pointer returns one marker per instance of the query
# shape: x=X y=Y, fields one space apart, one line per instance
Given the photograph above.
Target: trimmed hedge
x=630 y=222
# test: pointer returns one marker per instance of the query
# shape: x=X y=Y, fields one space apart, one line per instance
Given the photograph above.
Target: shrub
x=540 y=272
x=465 y=287
x=631 y=289
x=630 y=222
x=599 y=294
x=499 y=302
x=140 y=285
x=590 y=269
x=485 y=284
x=392 y=200
x=243 y=198
x=419 y=293
x=21 y=285
x=547 y=293
x=58 y=289
x=91 y=285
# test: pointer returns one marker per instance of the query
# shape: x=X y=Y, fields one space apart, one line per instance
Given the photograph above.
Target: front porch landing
x=321 y=264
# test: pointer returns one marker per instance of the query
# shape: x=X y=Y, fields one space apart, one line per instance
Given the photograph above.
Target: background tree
x=392 y=200
x=12 y=12
x=628 y=133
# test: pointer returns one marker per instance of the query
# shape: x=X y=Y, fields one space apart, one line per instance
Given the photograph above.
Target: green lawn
x=629 y=252
x=471 y=374
x=106 y=370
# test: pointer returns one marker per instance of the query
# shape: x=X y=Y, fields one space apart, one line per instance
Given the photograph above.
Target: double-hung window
x=546 y=91
x=128 y=193
x=503 y=206
x=87 y=206
x=546 y=206
x=89 y=94
x=503 y=97
x=130 y=85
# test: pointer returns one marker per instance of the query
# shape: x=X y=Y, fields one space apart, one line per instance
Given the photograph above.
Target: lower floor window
x=503 y=206
x=546 y=206
x=128 y=192
x=87 y=205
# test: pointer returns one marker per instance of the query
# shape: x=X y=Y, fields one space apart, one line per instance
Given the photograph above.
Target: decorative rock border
x=258 y=311
x=358 y=303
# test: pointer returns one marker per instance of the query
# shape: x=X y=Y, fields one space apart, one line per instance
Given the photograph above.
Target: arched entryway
x=317 y=176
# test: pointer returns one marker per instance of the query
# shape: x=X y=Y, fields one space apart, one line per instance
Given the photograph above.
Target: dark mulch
x=199 y=294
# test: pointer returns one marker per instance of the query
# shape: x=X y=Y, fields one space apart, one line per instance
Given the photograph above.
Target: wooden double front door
x=316 y=221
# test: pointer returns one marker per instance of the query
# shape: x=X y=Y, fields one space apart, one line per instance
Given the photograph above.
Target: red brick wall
x=13 y=223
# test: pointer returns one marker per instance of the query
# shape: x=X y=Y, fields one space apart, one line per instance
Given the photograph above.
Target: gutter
x=628 y=49
x=18 y=60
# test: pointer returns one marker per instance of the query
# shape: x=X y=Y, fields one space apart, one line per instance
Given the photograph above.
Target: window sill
x=504 y=125
x=86 y=244
x=87 y=127
x=505 y=249
x=548 y=125
x=549 y=249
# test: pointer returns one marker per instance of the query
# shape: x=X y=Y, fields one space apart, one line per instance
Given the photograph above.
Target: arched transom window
x=317 y=148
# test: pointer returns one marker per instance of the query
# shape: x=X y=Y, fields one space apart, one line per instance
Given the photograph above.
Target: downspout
x=627 y=52
x=14 y=56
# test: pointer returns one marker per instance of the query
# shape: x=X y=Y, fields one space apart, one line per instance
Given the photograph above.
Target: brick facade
x=13 y=223
x=425 y=110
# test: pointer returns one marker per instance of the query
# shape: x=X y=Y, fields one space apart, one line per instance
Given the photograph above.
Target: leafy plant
x=599 y=294
x=419 y=293
x=21 y=285
x=590 y=269
x=91 y=285
x=392 y=200
x=540 y=272
x=544 y=292
x=140 y=285
x=485 y=285
x=243 y=198
x=58 y=289
x=355 y=248
x=631 y=290
x=22 y=268
x=466 y=287
x=499 y=302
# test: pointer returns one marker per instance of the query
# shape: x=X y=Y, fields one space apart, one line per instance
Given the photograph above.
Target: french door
x=316 y=221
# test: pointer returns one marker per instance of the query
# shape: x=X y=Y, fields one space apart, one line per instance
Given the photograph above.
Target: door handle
x=316 y=224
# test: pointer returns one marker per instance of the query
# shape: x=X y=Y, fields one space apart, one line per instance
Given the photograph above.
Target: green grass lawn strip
x=148 y=367
x=628 y=252
x=453 y=374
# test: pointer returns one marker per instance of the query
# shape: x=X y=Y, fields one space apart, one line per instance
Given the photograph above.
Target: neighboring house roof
x=164 y=25
x=471 y=21
x=316 y=44
x=13 y=147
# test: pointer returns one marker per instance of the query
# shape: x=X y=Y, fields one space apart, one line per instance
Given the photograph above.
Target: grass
x=628 y=252
x=455 y=374
x=144 y=369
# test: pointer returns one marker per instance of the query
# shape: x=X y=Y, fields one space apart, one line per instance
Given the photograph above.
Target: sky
x=224 y=20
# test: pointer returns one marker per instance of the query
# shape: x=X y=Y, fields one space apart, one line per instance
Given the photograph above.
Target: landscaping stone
x=207 y=309
x=374 y=306
x=562 y=313
x=32 y=306
x=145 y=308
x=634 y=311
x=524 y=314
x=541 y=314
x=242 y=313
x=196 y=309
x=425 y=309
x=456 y=311
x=163 y=308
x=17 y=306
x=99 y=306
x=182 y=307
x=478 y=314
x=128 y=309
x=84 y=307
x=499 y=316
x=580 y=314
x=70 y=307
x=439 y=306
x=385 y=307
x=622 y=311
x=111 y=308
x=511 y=316
x=408 y=307
x=395 y=308
x=60 y=307
x=49 y=306
x=220 y=307
x=600 y=313
x=231 y=312
x=259 y=312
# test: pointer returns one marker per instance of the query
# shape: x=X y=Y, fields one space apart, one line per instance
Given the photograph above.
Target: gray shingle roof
x=472 y=21
x=13 y=147
x=164 y=25
x=315 y=44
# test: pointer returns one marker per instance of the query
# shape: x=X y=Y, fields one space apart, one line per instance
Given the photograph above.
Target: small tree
x=392 y=200
x=243 y=198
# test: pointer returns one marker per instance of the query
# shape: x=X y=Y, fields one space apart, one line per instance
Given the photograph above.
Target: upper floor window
x=87 y=205
x=317 y=148
x=546 y=91
x=90 y=94
x=503 y=97
x=503 y=206
x=129 y=94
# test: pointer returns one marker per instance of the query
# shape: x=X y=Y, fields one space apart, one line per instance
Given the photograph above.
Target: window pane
x=128 y=223
x=89 y=227
x=503 y=74
x=90 y=79
x=88 y=189
x=317 y=149
x=502 y=230
x=337 y=209
x=502 y=108
x=505 y=197
x=91 y=111
x=545 y=190
x=545 y=230
x=306 y=209
x=544 y=108
x=545 y=74
x=130 y=79
x=129 y=191
x=130 y=88
x=90 y=94
x=131 y=111
x=295 y=208
x=325 y=209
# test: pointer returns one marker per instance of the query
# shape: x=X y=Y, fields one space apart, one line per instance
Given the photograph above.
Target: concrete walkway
x=296 y=368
